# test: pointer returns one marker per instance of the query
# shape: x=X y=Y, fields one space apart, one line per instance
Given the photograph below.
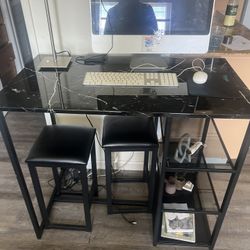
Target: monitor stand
x=148 y=62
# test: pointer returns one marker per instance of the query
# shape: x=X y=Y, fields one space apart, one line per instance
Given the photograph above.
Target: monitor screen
x=154 y=26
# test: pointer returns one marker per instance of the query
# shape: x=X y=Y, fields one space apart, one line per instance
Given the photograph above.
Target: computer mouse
x=200 y=77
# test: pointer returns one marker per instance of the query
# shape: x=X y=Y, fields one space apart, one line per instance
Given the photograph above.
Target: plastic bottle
x=231 y=12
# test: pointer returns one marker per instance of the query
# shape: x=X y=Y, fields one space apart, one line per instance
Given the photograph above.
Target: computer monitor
x=151 y=26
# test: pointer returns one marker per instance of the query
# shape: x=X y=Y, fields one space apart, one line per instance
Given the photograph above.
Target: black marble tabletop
x=224 y=94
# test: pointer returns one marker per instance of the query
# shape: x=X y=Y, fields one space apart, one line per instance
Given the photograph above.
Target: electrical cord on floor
x=49 y=182
x=72 y=183
x=101 y=187
x=132 y=222
x=70 y=178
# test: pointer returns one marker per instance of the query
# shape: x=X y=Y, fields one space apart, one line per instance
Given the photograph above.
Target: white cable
x=193 y=67
x=198 y=59
x=244 y=97
x=155 y=66
x=176 y=65
x=129 y=159
x=120 y=167
x=146 y=64
x=54 y=92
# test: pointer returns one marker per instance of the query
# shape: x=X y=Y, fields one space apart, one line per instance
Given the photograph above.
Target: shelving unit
x=203 y=202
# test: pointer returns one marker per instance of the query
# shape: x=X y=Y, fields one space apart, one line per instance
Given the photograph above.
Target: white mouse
x=200 y=77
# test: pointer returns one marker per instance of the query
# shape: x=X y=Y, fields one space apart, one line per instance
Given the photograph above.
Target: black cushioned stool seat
x=61 y=147
x=126 y=133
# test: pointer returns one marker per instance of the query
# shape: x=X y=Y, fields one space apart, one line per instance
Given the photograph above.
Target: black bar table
x=223 y=96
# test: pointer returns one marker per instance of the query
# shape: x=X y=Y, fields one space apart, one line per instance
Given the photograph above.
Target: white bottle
x=231 y=12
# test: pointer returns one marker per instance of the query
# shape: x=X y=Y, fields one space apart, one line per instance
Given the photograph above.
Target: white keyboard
x=131 y=79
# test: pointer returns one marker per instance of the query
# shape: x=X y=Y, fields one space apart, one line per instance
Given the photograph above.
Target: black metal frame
x=235 y=172
x=86 y=197
x=148 y=176
x=19 y=174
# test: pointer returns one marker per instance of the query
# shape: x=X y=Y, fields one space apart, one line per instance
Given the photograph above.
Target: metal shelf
x=202 y=234
x=202 y=199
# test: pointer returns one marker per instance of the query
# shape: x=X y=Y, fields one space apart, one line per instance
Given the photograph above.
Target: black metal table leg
x=19 y=174
x=94 y=170
x=164 y=162
x=108 y=173
x=231 y=186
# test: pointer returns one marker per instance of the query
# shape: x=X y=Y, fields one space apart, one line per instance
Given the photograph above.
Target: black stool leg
x=145 y=166
x=94 y=170
x=108 y=179
x=152 y=178
x=85 y=195
x=57 y=181
x=39 y=194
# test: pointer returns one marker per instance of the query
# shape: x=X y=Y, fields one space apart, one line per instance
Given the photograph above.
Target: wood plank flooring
x=109 y=232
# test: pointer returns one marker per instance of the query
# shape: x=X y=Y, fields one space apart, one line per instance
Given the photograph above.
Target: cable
x=63 y=51
x=82 y=59
x=184 y=70
x=54 y=92
x=49 y=182
x=112 y=32
x=131 y=222
x=147 y=64
x=155 y=66
x=199 y=59
x=176 y=65
x=97 y=137
x=129 y=159
x=194 y=67
x=70 y=178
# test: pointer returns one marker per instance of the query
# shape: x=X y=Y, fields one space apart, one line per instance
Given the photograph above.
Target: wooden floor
x=109 y=232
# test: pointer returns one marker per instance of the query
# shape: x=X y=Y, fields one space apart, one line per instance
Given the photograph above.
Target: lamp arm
x=52 y=43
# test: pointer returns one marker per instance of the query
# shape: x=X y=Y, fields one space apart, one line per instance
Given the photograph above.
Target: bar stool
x=64 y=147
x=120 y=134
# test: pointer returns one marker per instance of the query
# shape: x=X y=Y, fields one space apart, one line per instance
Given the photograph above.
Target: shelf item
x=178 y=226
x=202 y=199
x=201 y=235
x=198 y=163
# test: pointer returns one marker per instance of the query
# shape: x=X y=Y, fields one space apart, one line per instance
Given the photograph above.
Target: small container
x=170 y=187
x=231 y=13
x=217 y=36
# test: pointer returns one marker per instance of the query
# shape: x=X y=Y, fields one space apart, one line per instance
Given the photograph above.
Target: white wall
x=70 y=21
x=9 y=24
x=246 y=20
